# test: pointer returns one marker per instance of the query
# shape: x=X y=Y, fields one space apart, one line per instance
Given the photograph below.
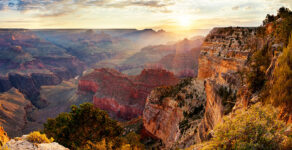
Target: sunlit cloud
x=168 y=14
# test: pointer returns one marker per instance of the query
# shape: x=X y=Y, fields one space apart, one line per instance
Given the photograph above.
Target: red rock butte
x=123 y=96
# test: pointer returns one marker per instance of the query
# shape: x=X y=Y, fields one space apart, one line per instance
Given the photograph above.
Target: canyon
x=181 y=120
x=50 y=70
x=123 y=96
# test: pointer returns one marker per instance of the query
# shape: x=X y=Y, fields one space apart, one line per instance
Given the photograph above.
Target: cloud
x=1 y=6
x=143 y=3
x=62 y=7
x=235 y=8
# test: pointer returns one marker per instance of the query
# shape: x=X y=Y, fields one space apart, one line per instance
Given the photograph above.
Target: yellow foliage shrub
x=3 y=136
x=4 y=148
x=255 y=128
x=37 y=137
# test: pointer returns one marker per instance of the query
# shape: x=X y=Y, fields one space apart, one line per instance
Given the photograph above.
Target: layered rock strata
x=122 y=96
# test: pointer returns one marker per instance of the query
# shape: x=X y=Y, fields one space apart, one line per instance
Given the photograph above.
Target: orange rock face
x=122 y=96
x=163 y=120
x=223 y=54
x=168 y=118
x=213 y=111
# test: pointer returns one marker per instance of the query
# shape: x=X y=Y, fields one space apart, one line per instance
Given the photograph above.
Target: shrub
x=3 y=137
x=87 y=126
x=257 y=128
x=4 y=147
x=37 y=137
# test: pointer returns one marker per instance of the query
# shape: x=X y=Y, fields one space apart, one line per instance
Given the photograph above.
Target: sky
x=170 y=15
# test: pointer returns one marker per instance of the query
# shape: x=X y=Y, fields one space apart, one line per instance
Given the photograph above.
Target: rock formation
x=23 y=143
x=123 y=96
x=5 y=84
x=14 y=112
x=223 y=54
x=30 y=85
x=173 y=113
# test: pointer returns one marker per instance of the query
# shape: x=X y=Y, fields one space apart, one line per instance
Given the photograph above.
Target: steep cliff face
x=173 y=113
x=213 y=111
x=224 y=51
x=121 y=95
x=14 y=111
x=29 y=85
x=223 y=54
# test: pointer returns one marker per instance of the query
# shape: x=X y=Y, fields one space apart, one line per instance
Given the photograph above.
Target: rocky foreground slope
x=122 y=96
x=22 y=143
x=223 y=53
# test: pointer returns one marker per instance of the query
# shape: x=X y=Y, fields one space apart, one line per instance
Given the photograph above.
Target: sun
x=184 y=21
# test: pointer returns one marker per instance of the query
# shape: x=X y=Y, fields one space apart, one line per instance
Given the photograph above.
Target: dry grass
x=37 y=137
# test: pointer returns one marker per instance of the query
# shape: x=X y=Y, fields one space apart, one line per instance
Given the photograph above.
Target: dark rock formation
x=30 y=85
x=4 y=84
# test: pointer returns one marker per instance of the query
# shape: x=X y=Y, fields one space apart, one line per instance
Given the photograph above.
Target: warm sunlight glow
x=184 y=21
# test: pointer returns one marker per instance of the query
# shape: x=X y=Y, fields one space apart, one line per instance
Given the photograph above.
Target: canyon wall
x=14 y=109
x=173 y=113
x=223 y=54
x=122 y=96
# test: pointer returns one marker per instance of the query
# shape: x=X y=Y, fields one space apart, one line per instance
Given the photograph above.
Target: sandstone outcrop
x=173 y=113
x=122 y=96
x=23 y=143
x=223 y=54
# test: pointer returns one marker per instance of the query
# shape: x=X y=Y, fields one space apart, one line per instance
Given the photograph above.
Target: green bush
x=37 y=137
x=86 y=126
x=257 y=128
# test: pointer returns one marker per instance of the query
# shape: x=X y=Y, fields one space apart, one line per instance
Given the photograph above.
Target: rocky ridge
x=223 y=54
x=122 y=96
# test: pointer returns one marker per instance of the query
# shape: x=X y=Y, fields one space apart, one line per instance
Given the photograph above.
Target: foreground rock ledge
x=22 y=143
